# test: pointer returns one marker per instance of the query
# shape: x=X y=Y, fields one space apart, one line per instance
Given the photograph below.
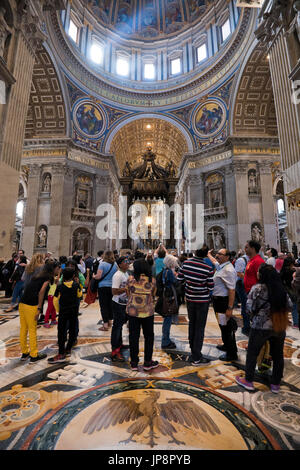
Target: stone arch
x=130 y=138
x=253 y=110
x=174 y=122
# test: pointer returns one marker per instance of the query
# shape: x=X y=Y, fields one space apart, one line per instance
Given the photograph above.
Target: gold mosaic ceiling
x=254 y=112
x=165 y=139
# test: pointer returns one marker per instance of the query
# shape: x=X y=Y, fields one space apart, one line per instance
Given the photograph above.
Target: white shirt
x=119 y=280
x=224 y=279
x=271 y=261
x=240 y=265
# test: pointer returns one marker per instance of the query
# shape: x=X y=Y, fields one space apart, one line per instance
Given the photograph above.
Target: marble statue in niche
x=42 y=237
x=252 y=182
x=46 y=188
x=256 y=232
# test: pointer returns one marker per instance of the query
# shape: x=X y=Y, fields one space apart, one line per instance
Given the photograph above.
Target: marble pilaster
x=30 y=219
x=25 y=37
x=62 y=189
x=237 y=204
x=288 y=126
x=269 y=216
x=101 y=197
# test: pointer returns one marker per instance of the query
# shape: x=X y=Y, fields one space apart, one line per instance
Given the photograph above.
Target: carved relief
x=216 y=238
x=5 y=31
x=84 y=193
x=214 y=191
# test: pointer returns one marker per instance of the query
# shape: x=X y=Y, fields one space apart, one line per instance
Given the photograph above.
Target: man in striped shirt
x=198 y=277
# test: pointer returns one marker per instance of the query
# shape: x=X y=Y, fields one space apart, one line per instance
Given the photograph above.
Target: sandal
x=102 y=328
x=9 y=310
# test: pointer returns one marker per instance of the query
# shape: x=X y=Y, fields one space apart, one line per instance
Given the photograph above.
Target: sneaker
x=39 y=357
x=221 y=347
x=117 y=357
x=169 y=346
x=244 y=383
x=58 y=358
x=201 y=361
x=68 y=353
x=47 y=325
x=275 y=388
x=24 y=357
x=54 y=322
x=134 y=366
x=150 y=365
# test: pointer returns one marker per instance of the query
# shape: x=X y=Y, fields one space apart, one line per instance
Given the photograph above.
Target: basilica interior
x=158 y=102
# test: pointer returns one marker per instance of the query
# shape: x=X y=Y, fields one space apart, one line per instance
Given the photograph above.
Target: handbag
x=170 y=304
x=95 y=282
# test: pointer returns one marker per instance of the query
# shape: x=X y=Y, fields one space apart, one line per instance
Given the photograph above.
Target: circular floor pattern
x=280 y=411
x=150 y=414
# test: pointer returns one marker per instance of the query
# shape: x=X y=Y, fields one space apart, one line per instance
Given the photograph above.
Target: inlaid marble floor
x=90 y=402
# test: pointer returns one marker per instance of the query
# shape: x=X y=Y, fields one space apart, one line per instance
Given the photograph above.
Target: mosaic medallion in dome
x=89 y=119
x=148 y=19
x=209 y=118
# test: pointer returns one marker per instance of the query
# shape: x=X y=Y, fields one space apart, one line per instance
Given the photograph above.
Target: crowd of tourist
x=133 y=286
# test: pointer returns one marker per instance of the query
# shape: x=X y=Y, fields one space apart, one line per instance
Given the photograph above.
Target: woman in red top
x=252 y=249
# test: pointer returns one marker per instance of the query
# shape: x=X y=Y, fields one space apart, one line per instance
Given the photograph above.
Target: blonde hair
x=109 y=257
x=36 y=261
x=171 y=262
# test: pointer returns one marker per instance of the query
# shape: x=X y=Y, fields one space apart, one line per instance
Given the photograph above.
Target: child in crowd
x=51 y=312
x=66 y=303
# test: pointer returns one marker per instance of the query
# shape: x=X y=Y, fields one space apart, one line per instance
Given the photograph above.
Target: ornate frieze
x=211 y=159
x=88 y=161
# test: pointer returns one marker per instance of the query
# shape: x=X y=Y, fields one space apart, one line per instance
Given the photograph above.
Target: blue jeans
x=295 y=315
x=165 y=341
x=17 y=293
x=243 y=298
